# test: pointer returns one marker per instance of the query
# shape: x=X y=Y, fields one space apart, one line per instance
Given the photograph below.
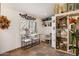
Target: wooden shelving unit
x=62 y=24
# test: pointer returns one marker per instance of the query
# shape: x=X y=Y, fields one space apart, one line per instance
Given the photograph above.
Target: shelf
x=68 y=13
x=69 y=39
x=65 y=52
x=72 y=44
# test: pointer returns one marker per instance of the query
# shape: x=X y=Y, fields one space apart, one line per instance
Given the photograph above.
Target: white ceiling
x=42 y=10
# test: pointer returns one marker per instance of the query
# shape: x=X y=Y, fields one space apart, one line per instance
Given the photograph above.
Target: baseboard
x=14 y=49
x=11 y=50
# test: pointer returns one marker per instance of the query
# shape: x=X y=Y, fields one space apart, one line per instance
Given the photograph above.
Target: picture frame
x=70 y=6
x=76 y=6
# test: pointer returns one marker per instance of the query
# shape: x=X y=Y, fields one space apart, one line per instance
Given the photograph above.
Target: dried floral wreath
x=4 y=22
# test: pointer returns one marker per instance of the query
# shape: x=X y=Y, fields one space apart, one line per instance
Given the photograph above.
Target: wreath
x=4 y=22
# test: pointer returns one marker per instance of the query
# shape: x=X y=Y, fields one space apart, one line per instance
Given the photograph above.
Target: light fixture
x=28 y=17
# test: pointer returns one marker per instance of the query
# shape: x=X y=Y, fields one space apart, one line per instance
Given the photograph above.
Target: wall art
x=4 y=22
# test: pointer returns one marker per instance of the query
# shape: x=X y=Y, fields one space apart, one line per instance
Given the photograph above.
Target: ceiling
x=42 y=10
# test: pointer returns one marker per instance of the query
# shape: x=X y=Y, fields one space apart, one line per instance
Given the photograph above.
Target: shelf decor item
x=59 y=8
x=47 y=22
x=77 y=24
x=70 y=6
x=61 y=33
x=72 y=20
x=65 y=7
x=76 y=6
x=4 y=22
x=56 y=8
x=28 y=17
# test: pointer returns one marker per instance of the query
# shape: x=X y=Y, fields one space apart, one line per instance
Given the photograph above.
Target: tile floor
x=42 y=49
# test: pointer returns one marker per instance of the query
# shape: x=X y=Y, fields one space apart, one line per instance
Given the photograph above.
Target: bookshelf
x=66 y=32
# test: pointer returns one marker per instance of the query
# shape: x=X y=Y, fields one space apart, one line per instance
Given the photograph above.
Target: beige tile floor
x=42 y=49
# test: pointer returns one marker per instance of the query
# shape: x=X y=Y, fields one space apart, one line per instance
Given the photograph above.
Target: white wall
x=47 y=30
x=9 y=38
x=37 y=9
x=39 y=26
x=42 y=30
